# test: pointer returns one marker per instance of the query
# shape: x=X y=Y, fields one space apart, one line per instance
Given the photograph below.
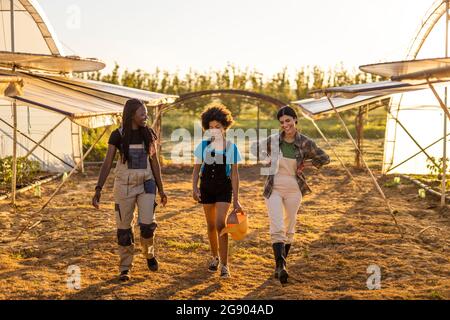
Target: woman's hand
x=163 y=197
x=196 y=194
x=304 y=164
x=237 y=206
x=96 y=199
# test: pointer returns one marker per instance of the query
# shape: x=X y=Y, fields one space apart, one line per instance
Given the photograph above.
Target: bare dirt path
x=340 y=233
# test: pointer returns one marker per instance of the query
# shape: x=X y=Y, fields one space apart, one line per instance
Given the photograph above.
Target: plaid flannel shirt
x=305 y=149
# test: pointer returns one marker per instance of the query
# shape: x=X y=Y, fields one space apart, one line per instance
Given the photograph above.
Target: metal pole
x=412 y=138
x=14 y=155
x=27 y=226
x=374 y=180
x=415 y=154
x=14 y=114
x=37 y=144
x=444 y=149
x=359 y=136
x=438 y=98
x=257 y=133
x=13 y=45
x=80 y=144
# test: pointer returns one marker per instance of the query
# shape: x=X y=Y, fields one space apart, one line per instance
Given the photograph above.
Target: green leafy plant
x=27 y=170
x=436 y=166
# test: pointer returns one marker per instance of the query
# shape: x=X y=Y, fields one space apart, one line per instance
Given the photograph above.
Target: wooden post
x=444 y=147
x=157 y=126
x=359 y=128
x=14 y=111
x=14 y=155
x=80 y=143
x=257 y=133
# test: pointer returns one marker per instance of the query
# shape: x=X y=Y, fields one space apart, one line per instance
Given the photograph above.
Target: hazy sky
x=261 y=34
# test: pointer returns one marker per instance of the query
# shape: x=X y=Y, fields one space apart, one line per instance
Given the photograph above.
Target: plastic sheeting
x=46 y=99
x=33 y=32
x=420 y=113
x=109 y=91
x=397 y=68
x=373 y=89
x=36 y=123
x=49 y=63
x=416 y=109
x=315 y=108
x=65 y=101
x=91 y=104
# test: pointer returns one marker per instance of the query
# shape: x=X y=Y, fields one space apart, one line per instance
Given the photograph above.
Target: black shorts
x=215 y=191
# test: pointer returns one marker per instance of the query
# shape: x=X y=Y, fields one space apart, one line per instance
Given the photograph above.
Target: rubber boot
x=280 y=262
x=287 y=247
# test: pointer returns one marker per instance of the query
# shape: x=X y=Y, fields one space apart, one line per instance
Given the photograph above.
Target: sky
x=177 y=35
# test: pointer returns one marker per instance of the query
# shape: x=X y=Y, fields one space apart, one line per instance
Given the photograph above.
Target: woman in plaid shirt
x=289 y=152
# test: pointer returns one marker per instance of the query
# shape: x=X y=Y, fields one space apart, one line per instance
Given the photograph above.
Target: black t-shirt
x=116 y=138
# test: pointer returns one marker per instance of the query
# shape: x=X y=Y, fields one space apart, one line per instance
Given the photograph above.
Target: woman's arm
x=195 y=177
x=315 y=156
x=104 y=172
x=156 y=168
x=235 y=186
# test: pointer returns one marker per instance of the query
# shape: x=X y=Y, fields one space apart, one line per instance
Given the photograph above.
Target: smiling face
x=140 y=117
x=287 y=124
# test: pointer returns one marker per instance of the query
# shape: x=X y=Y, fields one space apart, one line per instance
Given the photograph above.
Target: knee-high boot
x=280 y=262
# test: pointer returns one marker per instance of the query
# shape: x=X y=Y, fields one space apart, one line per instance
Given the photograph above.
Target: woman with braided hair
x=137 y=178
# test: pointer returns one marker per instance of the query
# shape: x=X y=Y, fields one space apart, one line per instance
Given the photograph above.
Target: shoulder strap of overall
x=208 y=142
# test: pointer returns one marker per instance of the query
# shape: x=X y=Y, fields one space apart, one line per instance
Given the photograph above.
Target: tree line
x=283 y=85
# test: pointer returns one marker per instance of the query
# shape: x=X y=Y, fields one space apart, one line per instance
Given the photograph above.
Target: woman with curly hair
x=216 y=166
x=137 y=177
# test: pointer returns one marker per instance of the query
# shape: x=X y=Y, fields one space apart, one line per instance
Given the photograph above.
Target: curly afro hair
x=216 y=111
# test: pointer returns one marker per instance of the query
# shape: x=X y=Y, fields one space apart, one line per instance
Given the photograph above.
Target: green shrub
x=27 y=170
x=99 y=151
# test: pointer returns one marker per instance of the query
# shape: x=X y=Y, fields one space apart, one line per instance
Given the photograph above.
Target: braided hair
x=148 y=135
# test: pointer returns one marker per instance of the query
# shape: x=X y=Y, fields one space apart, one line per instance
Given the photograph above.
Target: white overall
x=284 y=202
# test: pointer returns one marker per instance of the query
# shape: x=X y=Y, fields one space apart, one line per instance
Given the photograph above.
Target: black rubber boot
x=287 y=247
x=280 y=262
x=153 y=264
x=125 y=276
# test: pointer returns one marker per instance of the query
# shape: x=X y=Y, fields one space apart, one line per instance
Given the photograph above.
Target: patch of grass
x=22 y=254
x=187 y=246
x=436 y=295
x=306 y=253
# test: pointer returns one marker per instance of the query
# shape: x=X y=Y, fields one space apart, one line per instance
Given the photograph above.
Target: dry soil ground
x=341 y=232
